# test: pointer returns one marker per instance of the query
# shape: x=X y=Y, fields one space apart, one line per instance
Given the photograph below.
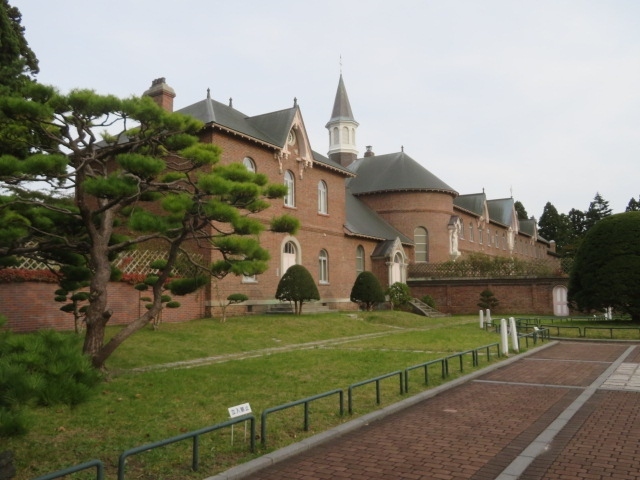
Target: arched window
x=322 y=197
x=336 y=136
x=345 y=135
x=249 y=164
x=359 y=259
x=421 y=241
x=290 y=183
x=471 y=232
x=323 y=266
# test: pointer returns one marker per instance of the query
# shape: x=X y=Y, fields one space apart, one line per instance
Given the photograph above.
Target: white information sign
x=239 y=410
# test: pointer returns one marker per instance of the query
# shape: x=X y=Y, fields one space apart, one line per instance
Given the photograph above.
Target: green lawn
x=275 y=360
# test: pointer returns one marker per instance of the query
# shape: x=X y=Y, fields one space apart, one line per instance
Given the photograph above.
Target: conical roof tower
x=342 y=129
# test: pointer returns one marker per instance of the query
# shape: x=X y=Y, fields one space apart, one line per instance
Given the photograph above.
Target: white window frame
x=290 y=183
x=323 y=197
x=360 y=264
x=323 y=267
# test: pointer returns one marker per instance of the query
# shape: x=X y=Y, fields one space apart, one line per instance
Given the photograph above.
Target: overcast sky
x=535 y=98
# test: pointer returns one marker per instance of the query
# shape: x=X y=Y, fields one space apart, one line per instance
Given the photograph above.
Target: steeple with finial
x=342 y=128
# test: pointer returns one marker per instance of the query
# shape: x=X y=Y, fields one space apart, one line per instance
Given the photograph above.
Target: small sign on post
x=239 y=411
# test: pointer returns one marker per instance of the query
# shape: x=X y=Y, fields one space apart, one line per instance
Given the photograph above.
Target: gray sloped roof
x=394 y=172
x=473 y=202
x=341 y=106
x=271 y=128
x=528 y=227
x=363 y=221
x=501 y=210
x=275 y=125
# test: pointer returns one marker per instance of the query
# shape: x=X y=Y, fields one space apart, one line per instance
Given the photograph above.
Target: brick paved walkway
x=567 y=412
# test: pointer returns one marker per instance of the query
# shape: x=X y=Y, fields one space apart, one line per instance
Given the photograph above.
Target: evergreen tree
x=18 y=63
x=18 y=66
x=297 y=286
x=598 y=209
x=521 y=211
x=633 y=206
x=549 y=225
x=488 y=300
x=606 y=270
x=367 y=291
x=151 y=178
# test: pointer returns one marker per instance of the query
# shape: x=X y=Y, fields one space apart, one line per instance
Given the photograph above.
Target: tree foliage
x=606 y=270
x=633 y=205
x=488 y=300
x=367 y=291
x=18 y=66
x=45 y=368
x=297 y=286
x=148 y=183
x=520 y=210
x=399 y=295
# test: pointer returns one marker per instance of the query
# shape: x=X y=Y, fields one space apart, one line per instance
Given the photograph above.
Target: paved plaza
x=566 y=411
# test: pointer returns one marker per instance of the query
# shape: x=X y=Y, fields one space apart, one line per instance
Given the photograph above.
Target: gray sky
x=539 y=98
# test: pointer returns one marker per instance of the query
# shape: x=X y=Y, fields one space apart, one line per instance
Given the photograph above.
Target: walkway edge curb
x=242 y=471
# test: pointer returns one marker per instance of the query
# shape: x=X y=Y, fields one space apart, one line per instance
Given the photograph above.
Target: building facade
x=380 y=213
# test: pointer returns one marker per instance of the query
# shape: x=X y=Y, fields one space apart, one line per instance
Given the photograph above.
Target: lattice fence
x=133 y=262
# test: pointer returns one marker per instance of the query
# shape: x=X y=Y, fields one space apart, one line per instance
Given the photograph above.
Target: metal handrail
x=305 y=401
x=77 y=468
x=611 y=329
x=424 y=365
x=195 y=435
x=377 y=382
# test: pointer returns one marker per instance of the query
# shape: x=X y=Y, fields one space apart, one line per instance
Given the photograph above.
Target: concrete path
x=567 y=411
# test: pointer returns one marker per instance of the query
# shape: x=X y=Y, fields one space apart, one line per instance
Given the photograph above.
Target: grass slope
x=264 y=360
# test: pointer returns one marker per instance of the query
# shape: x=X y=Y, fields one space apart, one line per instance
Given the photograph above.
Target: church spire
x=342 y=128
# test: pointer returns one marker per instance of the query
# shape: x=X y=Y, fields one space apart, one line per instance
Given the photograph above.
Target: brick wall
x=531 y=296
x=29 y=306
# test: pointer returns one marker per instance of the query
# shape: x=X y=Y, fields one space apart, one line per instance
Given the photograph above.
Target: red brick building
x=382 y=213
x=378 y=212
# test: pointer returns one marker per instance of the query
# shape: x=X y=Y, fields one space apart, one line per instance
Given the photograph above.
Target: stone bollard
x=481 y=319
x=514 y=334
x=504 y=338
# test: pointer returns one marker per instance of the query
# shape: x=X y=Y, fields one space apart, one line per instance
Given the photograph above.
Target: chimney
x=369 y=152
x=162 y=94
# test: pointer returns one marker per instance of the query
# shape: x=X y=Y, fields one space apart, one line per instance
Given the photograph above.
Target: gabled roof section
x=529 y=227
x=394 y=172
x=271 y=128
x=364 y=222
x=473 y=203
x=275 y=125
x=502 y=211
x=341 y=106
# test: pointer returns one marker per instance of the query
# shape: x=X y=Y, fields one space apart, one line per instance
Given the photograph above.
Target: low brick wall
x=518 y=295
x=29 y=306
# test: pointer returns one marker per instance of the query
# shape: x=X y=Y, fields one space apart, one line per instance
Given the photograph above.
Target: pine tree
x=152 y=184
